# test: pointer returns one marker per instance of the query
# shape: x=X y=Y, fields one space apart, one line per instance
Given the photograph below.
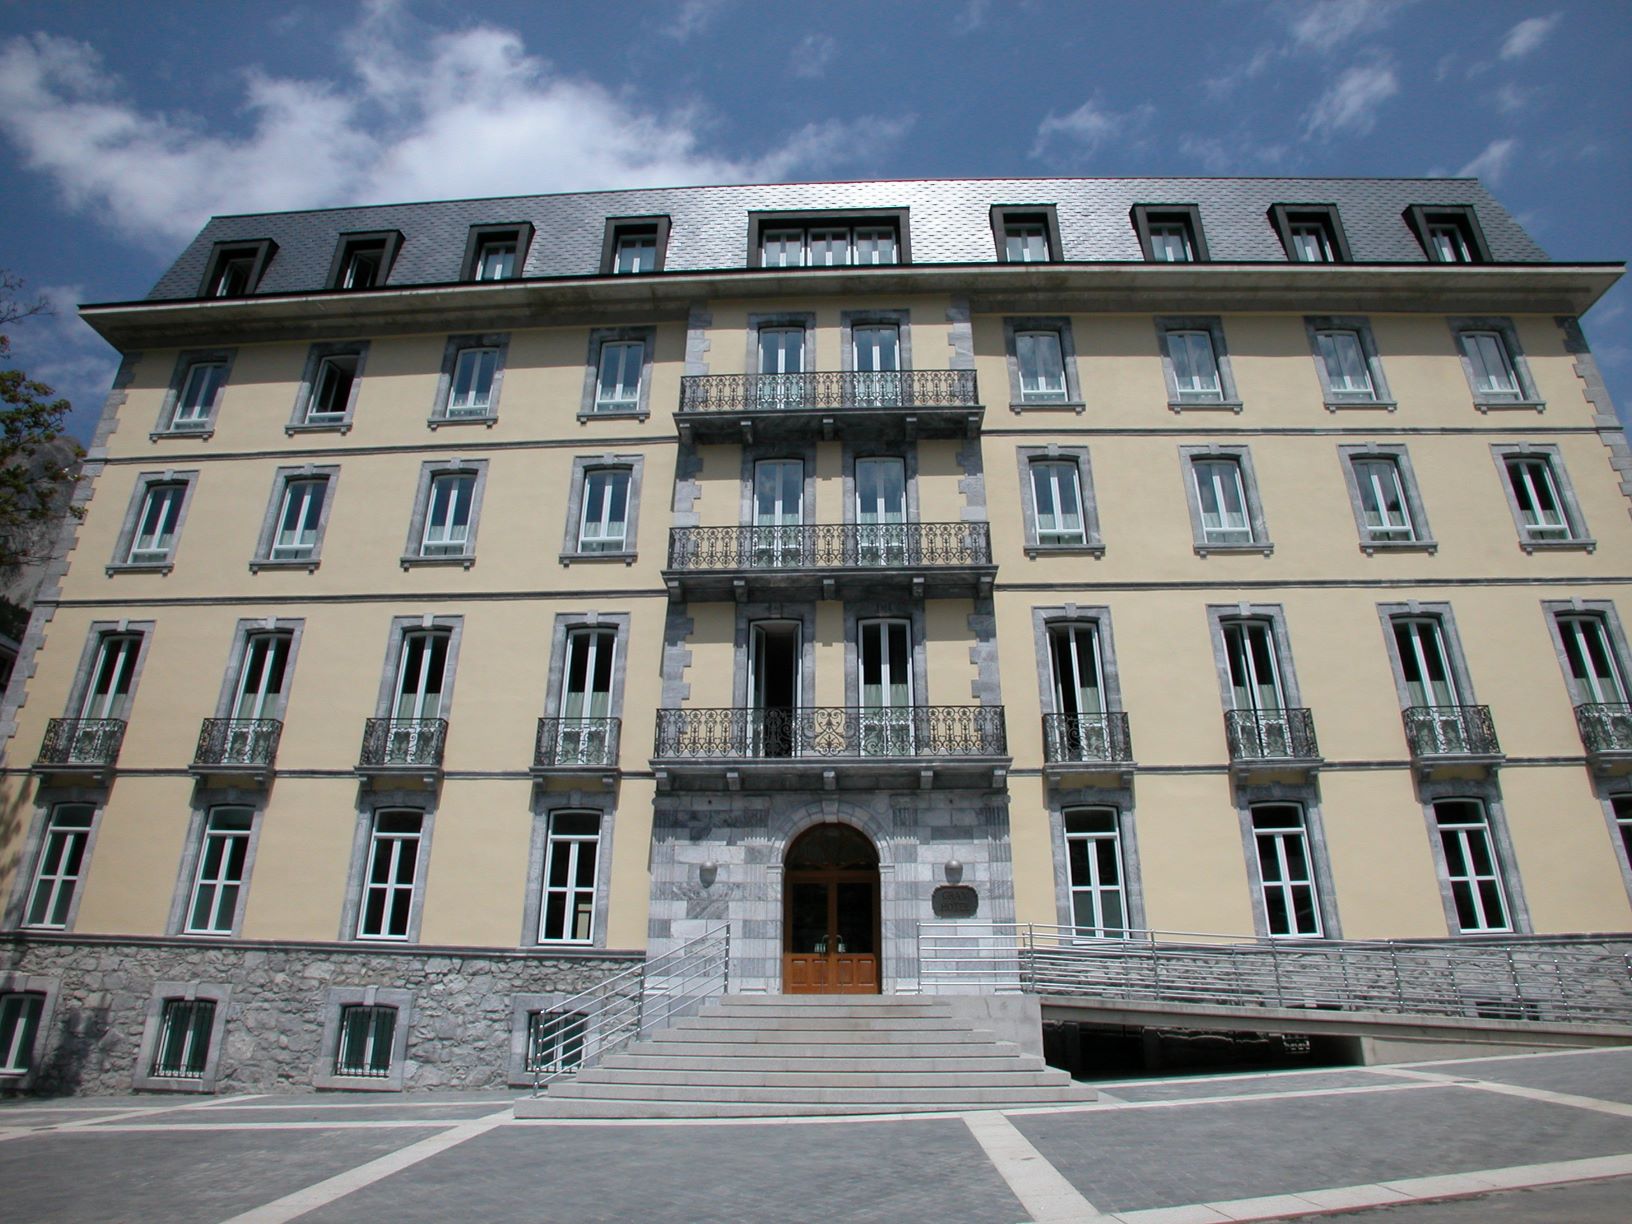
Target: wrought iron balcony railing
x=705 y=393
x=830 y=546
x=1605 y=727
x=571 y=742
x=1450 y=731
x=1086 y=738
x=408 y=743
x=744 y=733
x=1266 y=735
x=82 y=741
x=238 y=742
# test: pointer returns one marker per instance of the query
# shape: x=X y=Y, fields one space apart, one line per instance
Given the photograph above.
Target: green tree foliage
x=34 y=482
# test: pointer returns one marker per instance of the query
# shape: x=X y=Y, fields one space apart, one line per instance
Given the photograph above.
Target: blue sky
x=124 y=125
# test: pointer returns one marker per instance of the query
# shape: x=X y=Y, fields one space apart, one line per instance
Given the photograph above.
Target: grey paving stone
x=1602 y=1202
x=1238 y=1085
x=929 y=1170
x=1605 y=1074
x=1123 y=1161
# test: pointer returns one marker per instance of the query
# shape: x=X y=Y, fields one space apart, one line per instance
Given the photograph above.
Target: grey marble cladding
x=949 y=221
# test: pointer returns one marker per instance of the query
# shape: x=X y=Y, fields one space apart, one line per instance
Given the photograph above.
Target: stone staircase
x=776 y=1055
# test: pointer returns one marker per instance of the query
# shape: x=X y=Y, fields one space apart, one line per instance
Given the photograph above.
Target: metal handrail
x=403 y=741
x=1450 y=730
x=834 y=389
x=639 y=1000
x=830 y=546
x=862 y=732
x=1507 y=979
x=238 y=741
x=1071 y=738
x=565 y=742
x=82 y=741
x=1605 y=726
x=1256 y=735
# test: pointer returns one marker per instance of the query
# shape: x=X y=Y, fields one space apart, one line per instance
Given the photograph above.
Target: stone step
x=572 y=1107
x=806 y=1001
x=947 y=1095
x=880 y=1080
x=766 y=1060
x=927 y=1011
x=701 y=1045
x=823 y=1023
x=806 y=1036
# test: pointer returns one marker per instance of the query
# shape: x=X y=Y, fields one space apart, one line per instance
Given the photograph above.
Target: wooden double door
x=830 y=918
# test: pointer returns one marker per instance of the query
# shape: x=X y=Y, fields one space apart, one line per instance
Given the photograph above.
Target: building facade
x=474 y=598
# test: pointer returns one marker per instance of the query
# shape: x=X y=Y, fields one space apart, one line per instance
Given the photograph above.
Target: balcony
x=1079 y=748
x=830 y=561
x=80 y=748
x=830 y=748
x=1452 y=741
x=577 y=749
x=1606 y=733
x=403 y=749
x=774 y=407
x=244 y=748
x=1265 y=744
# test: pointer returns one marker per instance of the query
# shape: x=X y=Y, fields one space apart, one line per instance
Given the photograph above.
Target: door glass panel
x=807 y=919
x=855 y=918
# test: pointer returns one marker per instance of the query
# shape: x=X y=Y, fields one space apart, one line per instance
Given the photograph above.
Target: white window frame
x=1036 y=387
x=1342 y=350
x=320 y=405
x=195 y=410
x=1469 y=887
x=1170 y=242
x=1593 y=663
x=473 y=367
x=194 y=1046
x=887 y=726
x=444 y=535
x=60 y=866
x=1058 y=476
x=1383 y=500
x=1273 y=844
x=1317 y=251
x=297 y=540
x=1221 y=478
x=1565 y=528
x=219 y=887
x=497 y=258
x=1094 y=890
x=1494 y=364
x=354 y=1015
x=596 y=525
x=589 y=653
x=398 y=898
x=21 y=1016
x=624 y=397
x=1198 y=386
x=579 y=901
x=634 y=251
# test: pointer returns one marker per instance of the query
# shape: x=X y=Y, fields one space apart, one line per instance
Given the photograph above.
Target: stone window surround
x=295 y=627
x=373 y=803
x=91 y=651
x=390 y=240
x=145 y=483
x=400 y=627
x=263 y=250
x=1048 y=214
x=185 y=361
x=262 y=560
x=444 y=379
x=867 y=218
x=480 y=235
x=1423 y=537
x=1580 y=538
x=1489 y=795
x=1528 y=398
x=1606 y=614
x=859 y=448
x=582 y=465
x=1418 y=217
x=522 y=1007
x=656 y=224
x=428 y=472
x=24 y=983
x=205 y=802
x=592 y=373
x=308 y=379
x=45 y=805
x=1335 y=401
x=1213 y=325
x=1242 y=455
x=1115 y=799
x=1440 y=612
x=338 y=997
x=142 y=1078
x=547 y=805
x=803 y=319
x=1060 y=325
x=621 y=623
x=858 y=610
x=799 y=612
x=1306 y=798
x=1044 y=619
x=1274 y=615
x=1093 y=544
x=754 y=453
x=1284 y=216
x=1143 y=215
x=849 y=320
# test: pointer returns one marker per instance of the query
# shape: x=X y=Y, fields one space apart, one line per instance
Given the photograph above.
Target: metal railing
x=82 y=741
x=1259 y=735
x=637 y=1001
x=830 y=546
x=1605 y=726
x=852 y=389
x=1070 y=738
x=1534 y=979
x=408 y=742
x=576 y=741
x=1459 y=730
x=238 y=741
x=830 y=731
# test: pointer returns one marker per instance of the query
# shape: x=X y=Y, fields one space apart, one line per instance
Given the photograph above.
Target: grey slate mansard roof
x=948 y=219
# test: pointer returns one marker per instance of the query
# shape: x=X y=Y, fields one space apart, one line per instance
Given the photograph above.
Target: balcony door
x=107 y=698
x=773 y=688
x=884 y=663
x=831 y=928
x=418 y=700
x=779 y=512
x=781 y=353
x=1594 y=674
x=1256 y=691
x=1079 y=733
x=259 y=697
x=876 y=354
x=1430 y=682
x=881 y=511
x=586 y=697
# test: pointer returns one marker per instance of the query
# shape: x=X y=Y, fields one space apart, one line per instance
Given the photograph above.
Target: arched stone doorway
x=830 y=923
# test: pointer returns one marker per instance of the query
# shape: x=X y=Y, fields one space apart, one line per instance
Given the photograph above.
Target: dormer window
x=1449 y=234
x=363 y=261
x=1311 y=233
x=235 y=268
x=800 y=240
x=497 y=252
x=634 y=245
x=1026 y=235
x=1170 y=233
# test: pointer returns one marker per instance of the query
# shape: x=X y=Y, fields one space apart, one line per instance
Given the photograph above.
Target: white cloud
x=693 y=17
x=1528 y=34
x=813 y=54
x=1352 y=101
x=1091 y=125
x=1229 y=154
x=1491 y=164
x=420 y=115
x=970 y=17
x=1511 y=98
x=1335 y=24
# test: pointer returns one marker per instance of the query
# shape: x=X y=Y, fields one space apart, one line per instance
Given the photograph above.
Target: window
x=1347 y=364
x=183 y=1046
x=472 y=391
x=200 y=387
x=1254 y=669
x=112 y=677
x=800 y=240
x=1621 y=811
x=1541 y=498
x=1493 y=373
x=1310 y=233
x=1448 y=233
x=1042 y=364
x=1222 y=497
x=1093 y=852
x=1471 y=866
x=63 y=852
x=605 y=511
x=881 y=510
x=1026 y=235
x=421 y=671
x=367 y=1039
x=1195 y=364
x=1383 y=494
x=618 y=379
x=389 y=884
x=1169 y=233
x=587 y=684
x=332 y=389
x=496 y=252
x=297 y=514
x=235 y=268
x=1425 y=661
x=1495 y=365
x=1195 y=369
x=1435 y=690
x=555 y=1041
x=884 y=673
x=158 y=508
x=1593 y=664
x=446 y=511
x=213 y=908
x=567 y=914
x=634 y=245
x=20 y=1013
x=363 y=261
x=1078 y=724
x=329 y=387
x=1057 y=497
x=1285 y=870
x=875 y=364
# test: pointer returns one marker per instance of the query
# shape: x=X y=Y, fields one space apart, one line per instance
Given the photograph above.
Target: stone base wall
x=460 y=1027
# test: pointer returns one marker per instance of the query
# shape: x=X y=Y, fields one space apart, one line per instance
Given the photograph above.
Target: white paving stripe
x=86 y=1124
x=1618 y=1108
x=1042 y=1190
x=321 y=1194
x=210 y=1128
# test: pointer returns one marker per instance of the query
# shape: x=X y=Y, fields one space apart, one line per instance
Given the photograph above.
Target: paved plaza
x=1530 y=1137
